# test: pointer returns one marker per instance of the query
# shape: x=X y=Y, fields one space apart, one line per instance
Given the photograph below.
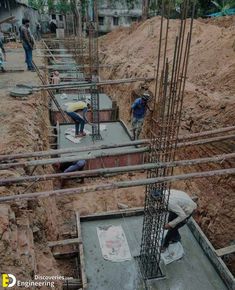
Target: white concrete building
x=19 y=9
x=118 y=13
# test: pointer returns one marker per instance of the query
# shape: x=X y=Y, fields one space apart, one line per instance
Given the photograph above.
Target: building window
x=53 y=16
x=101 y=20
x=115 y=21
x=60 y=17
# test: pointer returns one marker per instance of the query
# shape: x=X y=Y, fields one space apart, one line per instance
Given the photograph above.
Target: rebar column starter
x=165 y=120
x=94 y=67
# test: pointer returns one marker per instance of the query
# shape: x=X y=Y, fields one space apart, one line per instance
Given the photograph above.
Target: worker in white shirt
x=181 y=208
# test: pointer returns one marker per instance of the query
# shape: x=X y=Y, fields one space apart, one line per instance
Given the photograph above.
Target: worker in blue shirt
x=138 y=111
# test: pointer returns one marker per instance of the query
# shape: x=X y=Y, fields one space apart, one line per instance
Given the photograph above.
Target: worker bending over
x=78 y=111
x=181 y=208
x=138 y=111
x=71 y=167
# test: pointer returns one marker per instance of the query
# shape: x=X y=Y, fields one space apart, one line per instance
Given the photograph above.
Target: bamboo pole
x=70 y=150
x=116 y=185
x=204 y=141
x=102 y=147
x=86 y=84
x=207 y=133
x=116 y=170
x=71 y=158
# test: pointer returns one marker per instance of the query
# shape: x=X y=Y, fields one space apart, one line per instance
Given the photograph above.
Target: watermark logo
x=8 y=280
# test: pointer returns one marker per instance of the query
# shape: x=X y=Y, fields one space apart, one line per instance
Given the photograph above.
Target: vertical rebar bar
x=165 y=121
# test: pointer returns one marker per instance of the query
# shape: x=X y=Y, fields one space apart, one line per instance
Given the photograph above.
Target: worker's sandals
x=80 y=135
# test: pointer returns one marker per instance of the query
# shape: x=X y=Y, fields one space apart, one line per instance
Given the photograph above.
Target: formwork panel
x=194 y=271
x=106 y=106
x=114 y=133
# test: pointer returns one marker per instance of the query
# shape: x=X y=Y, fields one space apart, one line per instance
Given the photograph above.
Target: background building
x=19 y=9
x=118 y=13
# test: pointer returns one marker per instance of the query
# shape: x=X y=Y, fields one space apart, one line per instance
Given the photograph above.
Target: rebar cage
x=165 y=120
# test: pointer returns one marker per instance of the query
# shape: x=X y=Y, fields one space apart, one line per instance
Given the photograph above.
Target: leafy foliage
x=63 y=7
x=223 y=5
x=37 y=4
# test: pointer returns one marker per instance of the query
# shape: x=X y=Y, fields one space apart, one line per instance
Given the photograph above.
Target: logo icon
x=8 y=280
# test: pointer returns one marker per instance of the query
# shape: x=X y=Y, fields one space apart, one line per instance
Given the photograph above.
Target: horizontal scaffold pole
x=103 y=147
x=72 y=158
x=207 y=133
x=88 y=84
x=116 y=170
x=116 y=185
x=71 y=150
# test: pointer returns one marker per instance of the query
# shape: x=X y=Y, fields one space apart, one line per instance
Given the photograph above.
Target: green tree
x=224 y=5
x=63 y=7
x=37 y=4
x=51 y=6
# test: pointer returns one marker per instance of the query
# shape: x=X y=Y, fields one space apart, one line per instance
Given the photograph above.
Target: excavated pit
x=25 y=227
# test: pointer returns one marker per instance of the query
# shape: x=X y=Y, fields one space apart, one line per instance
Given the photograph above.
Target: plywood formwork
x=108 y=110
x=115 y=132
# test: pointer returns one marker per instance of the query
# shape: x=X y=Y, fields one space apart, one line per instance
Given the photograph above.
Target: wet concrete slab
x=111 y=133
x=105 y=100
x=193 y=272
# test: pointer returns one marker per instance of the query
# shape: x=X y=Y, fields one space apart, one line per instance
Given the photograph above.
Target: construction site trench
x=26 y=227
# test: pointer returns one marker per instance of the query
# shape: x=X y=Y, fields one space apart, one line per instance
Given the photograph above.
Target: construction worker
x=28 y=43
x=181 y=208
x=55 y=79
x=138 y=111
x=78 y=111
x=71 y=167
x=3 y=57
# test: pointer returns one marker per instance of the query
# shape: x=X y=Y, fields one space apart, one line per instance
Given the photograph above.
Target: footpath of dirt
x=25 y=227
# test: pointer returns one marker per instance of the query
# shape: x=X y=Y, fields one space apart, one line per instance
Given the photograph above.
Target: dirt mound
x=209 y=102
x=226 y=21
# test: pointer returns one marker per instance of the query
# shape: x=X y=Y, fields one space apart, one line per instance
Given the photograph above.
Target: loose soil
x=25 y=227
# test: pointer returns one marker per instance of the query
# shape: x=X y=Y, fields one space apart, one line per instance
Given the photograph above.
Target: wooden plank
x=64 y=242
x=81 y=253
x=66 y=255
x=113 y=214
x=225 y=251
x=209 y=250
x=72 y=284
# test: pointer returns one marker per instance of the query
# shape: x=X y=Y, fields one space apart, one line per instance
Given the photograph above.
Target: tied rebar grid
x=171 y=74
x=94 y=68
